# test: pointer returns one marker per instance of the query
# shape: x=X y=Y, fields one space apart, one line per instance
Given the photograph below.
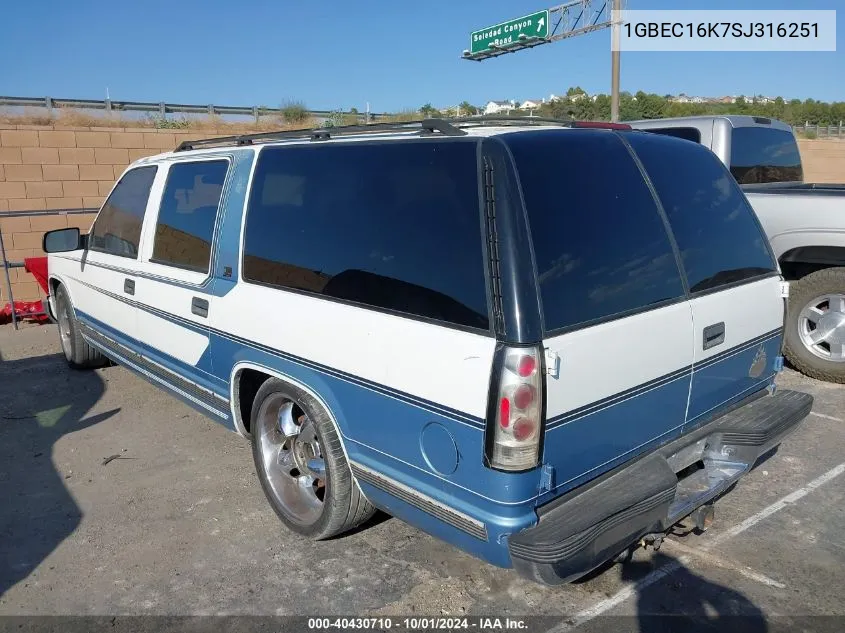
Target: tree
x=577 y=90
x=467 y=109
x=644 y=105
x=601 y=107
x=429 y=111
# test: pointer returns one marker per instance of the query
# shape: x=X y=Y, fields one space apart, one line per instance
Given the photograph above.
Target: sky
x=396 y=55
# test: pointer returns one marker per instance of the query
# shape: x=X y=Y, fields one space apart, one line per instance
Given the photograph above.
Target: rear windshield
x=601 y=247
x=764 y=154
x=686 y=133
x=395 y=226
x=719 y=238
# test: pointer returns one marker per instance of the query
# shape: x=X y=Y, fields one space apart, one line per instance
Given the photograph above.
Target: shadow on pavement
x=41 y=400
x=685 y=601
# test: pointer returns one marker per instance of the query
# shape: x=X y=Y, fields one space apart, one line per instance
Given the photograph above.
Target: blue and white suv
x=538 y=342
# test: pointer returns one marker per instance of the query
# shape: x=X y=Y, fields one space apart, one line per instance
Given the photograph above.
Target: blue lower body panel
x=717 y=385
x=429 y=461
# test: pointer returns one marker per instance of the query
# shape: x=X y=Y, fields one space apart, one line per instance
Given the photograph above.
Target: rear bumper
x=579 y=531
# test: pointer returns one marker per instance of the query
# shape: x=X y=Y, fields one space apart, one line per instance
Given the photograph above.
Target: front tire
x=815 y=325
x=301 y=465
x=78 y=353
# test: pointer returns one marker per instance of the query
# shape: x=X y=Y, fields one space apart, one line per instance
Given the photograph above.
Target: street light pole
x=614 y=60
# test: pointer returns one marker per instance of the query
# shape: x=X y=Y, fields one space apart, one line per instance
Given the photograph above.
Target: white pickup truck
x=805 y=224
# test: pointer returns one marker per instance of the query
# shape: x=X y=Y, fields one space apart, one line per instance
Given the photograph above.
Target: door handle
x=199 y=307
x=129 y=286
x=714 y=335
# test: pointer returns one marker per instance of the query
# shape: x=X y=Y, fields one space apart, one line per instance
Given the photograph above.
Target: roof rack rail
x=423 y=126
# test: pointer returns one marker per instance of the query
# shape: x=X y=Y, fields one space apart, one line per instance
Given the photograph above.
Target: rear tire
x=301 y=465
x=78 y=353
x=822 y=288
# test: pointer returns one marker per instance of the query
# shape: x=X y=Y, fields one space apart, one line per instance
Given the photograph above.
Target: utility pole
x=616 y=16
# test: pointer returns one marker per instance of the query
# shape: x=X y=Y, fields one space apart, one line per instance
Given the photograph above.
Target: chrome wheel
x=64 y=331
x=291 y=458
x=821 y=326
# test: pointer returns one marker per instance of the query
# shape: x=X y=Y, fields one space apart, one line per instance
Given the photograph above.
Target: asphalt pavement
x=117 y=499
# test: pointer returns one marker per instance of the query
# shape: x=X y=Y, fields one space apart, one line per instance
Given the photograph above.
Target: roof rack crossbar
x=424 y=126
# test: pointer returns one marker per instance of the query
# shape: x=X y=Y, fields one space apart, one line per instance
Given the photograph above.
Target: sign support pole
x=616 y=16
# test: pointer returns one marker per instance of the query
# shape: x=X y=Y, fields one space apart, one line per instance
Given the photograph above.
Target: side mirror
x=62 y=241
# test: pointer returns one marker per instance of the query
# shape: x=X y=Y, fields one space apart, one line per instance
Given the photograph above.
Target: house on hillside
x=531 y=104
x=498 y=107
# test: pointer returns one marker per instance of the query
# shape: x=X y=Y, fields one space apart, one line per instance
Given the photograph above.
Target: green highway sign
x=508 y=33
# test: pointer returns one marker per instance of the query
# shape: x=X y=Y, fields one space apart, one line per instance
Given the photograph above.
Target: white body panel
x=162 y=334
x=85 y=280
x=747 y=311
x=447 y=366
x=606 y=359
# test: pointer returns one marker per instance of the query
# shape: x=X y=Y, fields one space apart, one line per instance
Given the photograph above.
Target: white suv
x=527 y=339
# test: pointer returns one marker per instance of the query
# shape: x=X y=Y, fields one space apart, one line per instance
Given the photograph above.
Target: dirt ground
x=176 y=524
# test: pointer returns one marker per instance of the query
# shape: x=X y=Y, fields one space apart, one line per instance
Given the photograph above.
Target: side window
x=601 y=248
x=391 y=225
x=117 y=229
x=764 y=154
x=686 y=133
x=718 y=235
x=185 y=225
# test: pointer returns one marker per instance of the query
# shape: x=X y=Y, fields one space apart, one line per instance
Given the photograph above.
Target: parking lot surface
x=117 y=499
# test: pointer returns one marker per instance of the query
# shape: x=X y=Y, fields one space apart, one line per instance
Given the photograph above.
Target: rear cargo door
x=734 y=284
x=618 y=326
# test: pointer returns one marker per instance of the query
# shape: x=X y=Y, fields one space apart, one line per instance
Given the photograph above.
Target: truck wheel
x=78 y=353
x=301 y=465
x=815 y=325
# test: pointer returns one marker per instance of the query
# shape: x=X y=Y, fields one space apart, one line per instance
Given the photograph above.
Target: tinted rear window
x=187 y=214
x=392 y=225
x=717 y=233
x=686 y=133
x=764 y=154
x=601 y=248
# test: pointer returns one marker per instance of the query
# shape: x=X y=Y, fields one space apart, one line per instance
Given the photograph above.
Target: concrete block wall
x=51 y=167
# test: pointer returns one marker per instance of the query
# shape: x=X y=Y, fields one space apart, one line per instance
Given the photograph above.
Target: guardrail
x=163 y=109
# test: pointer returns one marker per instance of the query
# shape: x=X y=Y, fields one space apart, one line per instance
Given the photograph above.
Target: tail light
x=515 y=418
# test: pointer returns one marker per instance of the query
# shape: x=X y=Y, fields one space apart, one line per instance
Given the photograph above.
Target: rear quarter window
x=718 y=235
x=764 y=154
x=601 y=247
x=393 y=225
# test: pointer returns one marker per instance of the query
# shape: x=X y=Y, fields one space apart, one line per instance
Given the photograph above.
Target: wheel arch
x=830 y=256
x=53 y=283
x=235 y=400
x=801 y=261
